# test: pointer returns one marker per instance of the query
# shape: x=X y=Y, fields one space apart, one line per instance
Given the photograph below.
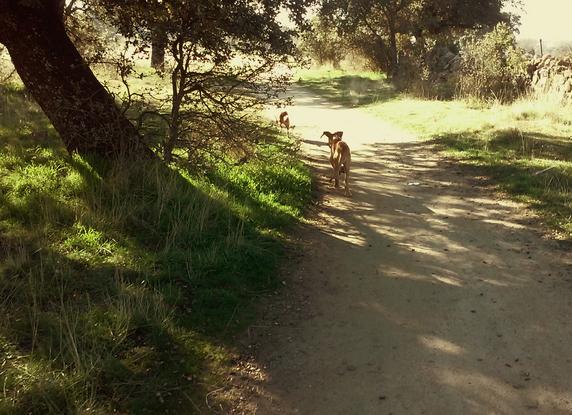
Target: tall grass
x=118 y=290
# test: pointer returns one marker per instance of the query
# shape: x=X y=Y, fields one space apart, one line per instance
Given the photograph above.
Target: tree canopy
x=210 y=33
x=379 y=26
x=80 y=109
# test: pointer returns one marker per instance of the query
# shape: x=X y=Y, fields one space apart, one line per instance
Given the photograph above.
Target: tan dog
x=330 y=135
x=284 y=121
x=340 y=158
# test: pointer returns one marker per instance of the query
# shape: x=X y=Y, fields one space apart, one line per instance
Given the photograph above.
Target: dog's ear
x=339 y=134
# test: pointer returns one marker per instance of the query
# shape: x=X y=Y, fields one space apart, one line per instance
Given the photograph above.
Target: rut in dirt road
x=423 y=294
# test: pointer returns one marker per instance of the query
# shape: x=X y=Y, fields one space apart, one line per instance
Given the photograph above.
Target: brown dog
x=340 y=158
x=284 y=121
x=330 y=135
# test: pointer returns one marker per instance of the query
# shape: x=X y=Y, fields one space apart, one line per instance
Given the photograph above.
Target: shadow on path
x=424 y=293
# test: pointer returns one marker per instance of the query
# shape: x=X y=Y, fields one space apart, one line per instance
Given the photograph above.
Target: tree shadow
x=513 y=143
x=421 y=285
x=533 y=167
x=350 y=90
x=123 y=285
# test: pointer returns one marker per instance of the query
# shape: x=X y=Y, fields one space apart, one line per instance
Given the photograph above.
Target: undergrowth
x=119 y=290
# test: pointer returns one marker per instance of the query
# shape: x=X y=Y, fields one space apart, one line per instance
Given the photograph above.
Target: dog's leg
x=337 y=175
x=333 y=168
x=347 y=168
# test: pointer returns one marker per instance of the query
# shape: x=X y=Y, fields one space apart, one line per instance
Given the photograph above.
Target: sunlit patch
x=449 y=280
x=440 y=345
x=504 y=223
x=351 y=237
x=560 y=400
x=486 y=394
x=493 y=395
x=312 y=116
x=396 y=273
x=495 y=282
x=343 y=231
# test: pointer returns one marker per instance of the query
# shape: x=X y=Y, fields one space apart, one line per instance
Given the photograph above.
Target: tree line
x=205 y=40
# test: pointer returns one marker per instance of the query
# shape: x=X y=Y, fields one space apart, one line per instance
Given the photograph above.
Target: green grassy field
x=120 y=292
x=525 y=147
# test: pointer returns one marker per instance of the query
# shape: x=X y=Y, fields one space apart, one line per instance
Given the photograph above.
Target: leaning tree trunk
x=80 y=109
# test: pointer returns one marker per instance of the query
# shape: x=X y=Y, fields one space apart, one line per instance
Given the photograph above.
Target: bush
x=492 y=66
x=323 y=44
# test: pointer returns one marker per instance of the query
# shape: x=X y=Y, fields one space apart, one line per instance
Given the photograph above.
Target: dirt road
x=425 y=293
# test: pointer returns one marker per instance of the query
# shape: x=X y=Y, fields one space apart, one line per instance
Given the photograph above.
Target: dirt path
x=423 y=294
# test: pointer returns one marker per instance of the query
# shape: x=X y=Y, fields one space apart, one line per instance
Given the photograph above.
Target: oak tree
x=55 y=74
x=81 y=110
x=377 y=25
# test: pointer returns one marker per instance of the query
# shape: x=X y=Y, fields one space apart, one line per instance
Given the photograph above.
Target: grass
x=351 y=89
x=120 y=292
x=525 y=147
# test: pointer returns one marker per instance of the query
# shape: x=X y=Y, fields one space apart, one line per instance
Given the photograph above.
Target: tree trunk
x=158 y=45
x=175 y=119
x=392 y=50
x=393 y=54
x=79 y=107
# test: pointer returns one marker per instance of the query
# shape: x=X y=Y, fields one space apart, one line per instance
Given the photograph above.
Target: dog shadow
x=315 y=143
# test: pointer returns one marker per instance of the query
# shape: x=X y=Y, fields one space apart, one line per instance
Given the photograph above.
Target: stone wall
x=552 y=75
x=546 y=74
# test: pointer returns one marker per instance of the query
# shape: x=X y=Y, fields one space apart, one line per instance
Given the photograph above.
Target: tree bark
x=392 y=57
x=80 y=109
x=392 y=62
x=158 y=45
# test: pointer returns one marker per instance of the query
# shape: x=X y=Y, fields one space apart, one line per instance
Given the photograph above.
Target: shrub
x=492 y=66
x=323 y=44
